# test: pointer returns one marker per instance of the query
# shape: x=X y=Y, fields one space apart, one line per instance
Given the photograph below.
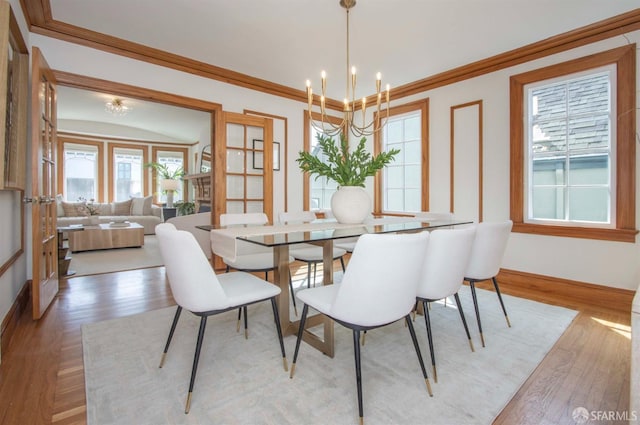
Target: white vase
x=350 y=205
x=94 y=220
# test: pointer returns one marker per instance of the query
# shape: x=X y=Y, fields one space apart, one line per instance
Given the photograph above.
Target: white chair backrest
x=488 y=249
x=193 y=283
x=231 y=219
x=445 y=262
x=189 y=223
x=379 y=286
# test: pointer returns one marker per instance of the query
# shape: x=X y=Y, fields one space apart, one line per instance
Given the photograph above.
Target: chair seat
x=320 y=298
x=348 y=245
x=314 y=253
x=256 y=262
x=243 y=288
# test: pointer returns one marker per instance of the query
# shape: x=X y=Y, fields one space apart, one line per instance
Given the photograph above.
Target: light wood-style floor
x=42 y=377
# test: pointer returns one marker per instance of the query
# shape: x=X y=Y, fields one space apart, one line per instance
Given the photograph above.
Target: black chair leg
x=412 y=332
x=472 y=284
x=196 y=357
x=427 y=321
x=464 y=320
x=239 y=318
x=344 y=269
x=356 y=353
x=293 y=294
x=303 y=319
x=315 y=269
x=276 y=318
x=504 y=310
x=173 y=328
x=246 y=324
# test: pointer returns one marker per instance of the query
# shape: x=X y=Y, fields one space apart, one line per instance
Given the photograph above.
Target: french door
x=44 y=286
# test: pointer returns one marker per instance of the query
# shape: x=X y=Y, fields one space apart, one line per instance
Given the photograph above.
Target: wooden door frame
x=119 y=89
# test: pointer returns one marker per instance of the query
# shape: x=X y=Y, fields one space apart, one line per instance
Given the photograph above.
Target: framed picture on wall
x=258 y=155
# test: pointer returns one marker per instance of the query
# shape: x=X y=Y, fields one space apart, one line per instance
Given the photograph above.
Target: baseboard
x=10 y=321
x=559 y=289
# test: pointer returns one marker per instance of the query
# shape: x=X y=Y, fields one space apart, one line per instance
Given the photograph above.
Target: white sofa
x=135 y=210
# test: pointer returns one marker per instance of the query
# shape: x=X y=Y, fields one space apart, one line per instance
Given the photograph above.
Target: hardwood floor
x=42 y=377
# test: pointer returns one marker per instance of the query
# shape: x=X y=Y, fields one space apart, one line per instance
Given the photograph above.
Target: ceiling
x=289 y=41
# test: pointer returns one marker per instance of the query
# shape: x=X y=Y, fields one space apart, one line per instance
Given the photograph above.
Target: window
x=573 y=148
x=317 y=192
x=80 y=172
x=128 y=172
x=402 y=187
x=174 y=159
x=401 y=183
x=322 y=188
x=570 y=159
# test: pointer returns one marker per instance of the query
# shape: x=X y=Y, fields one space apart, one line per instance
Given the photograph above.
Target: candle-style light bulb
x=323 y=76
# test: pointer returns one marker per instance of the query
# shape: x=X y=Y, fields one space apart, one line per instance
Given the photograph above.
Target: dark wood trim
x=38 y=16
x=10 y=321
x=555 y=288
x=624 y=58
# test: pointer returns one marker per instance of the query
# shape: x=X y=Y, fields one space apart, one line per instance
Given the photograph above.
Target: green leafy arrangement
x=164 y=172
x=344 y=167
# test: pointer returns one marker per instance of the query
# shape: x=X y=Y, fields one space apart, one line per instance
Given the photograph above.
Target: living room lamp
x=326 y=126
x=169 y=186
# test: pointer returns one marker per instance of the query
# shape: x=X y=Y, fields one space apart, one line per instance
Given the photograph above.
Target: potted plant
x=349 y=169
x=170 y=179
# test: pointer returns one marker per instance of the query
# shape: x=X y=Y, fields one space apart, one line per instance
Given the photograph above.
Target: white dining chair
x=486 y=258
x=195 y=287
x=442 y=275
x=378 y=288
x=308 y=253
x=251 y=257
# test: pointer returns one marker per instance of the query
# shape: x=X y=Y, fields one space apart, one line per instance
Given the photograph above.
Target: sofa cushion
x=141 y=206
x=122 y=208
x=104 y=208
x=59 y=209
x=72 y=209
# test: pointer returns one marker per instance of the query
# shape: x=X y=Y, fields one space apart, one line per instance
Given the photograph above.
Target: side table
x=64 y=258
x=168 y=213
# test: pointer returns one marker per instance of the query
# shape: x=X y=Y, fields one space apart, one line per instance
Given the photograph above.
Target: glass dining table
x=224 y=242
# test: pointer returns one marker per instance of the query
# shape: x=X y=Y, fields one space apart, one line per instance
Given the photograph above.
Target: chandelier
x=348 y=124
x=117 y=107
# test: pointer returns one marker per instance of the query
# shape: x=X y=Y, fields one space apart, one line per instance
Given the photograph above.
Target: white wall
x=615 y=264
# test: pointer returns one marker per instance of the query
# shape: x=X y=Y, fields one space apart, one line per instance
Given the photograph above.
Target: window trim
x=155 y=150
x=100 y=163
x=111 y=168
x=419 y=105
x=625 y=209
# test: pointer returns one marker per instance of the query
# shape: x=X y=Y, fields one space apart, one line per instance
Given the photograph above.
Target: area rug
x=243 y=381
x=115 y=260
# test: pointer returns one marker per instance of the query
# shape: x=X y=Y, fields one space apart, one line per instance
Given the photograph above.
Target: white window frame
x=528 y=140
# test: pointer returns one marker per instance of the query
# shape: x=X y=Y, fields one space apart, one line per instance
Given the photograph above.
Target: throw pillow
x=72 y=209
x=122 y=208
x=104 y=209
x=141 y=206
x=59 y=209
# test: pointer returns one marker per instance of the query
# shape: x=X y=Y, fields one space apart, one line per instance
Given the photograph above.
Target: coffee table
x=107 y=236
